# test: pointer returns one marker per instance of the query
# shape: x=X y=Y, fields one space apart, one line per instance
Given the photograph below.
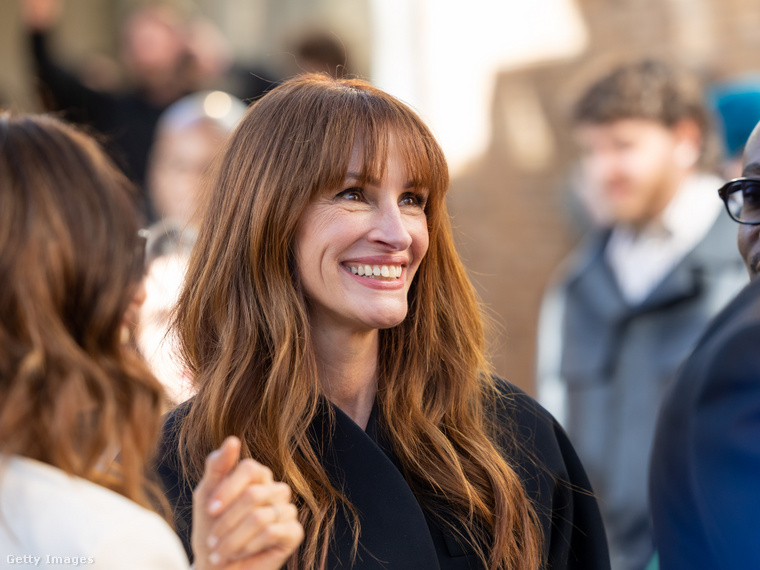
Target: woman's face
x=358 y=249
x=179 y=160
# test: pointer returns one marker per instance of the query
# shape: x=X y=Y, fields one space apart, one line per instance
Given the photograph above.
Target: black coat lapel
x=394 y=533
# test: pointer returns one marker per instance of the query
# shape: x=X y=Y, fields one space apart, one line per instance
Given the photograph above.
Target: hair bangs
x=422 y=161
x=375 y=126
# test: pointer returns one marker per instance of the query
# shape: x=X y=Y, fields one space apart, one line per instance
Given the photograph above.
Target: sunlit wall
x=442 y=57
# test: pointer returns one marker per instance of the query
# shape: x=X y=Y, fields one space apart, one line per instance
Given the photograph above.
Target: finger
x=252 y=497
x=274 y=558
x=219 y=463
x=262 y=529
x=247 y=472
x=281 y=537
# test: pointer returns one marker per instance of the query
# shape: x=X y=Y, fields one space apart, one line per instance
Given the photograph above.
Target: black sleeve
x=61 y=90
x=177 y=490
x=577 y=514
x=552 y=474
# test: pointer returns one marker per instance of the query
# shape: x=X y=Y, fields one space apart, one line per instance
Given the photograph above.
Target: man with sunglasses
x=705 y=467
x=640 y=289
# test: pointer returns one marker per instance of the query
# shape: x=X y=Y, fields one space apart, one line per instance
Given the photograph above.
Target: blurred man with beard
x=638 y=292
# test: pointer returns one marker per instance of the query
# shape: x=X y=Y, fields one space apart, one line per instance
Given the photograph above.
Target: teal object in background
x=736 y=104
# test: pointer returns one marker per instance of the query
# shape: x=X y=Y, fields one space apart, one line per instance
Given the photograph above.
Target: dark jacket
x=396 y=532
x=705 y=467
x=617 y=362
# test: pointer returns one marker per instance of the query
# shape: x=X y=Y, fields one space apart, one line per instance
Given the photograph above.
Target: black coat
x=396 y=532
x=705 y=468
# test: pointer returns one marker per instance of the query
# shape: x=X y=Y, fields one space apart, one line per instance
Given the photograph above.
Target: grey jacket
x=605 y=365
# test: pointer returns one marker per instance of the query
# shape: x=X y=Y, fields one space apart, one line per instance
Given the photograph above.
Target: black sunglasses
x=742 y=199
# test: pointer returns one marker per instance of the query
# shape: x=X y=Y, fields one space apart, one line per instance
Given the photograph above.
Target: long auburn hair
x=244 y=328
x=71 y=393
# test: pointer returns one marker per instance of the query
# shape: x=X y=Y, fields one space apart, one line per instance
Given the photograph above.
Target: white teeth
x=386 y=271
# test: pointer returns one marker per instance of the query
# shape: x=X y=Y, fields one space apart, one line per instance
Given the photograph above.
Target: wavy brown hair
x=244 y=327
x=71 y=393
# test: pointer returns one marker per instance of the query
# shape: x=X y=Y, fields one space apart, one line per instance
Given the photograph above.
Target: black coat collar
x=396 y=534
x=394 y=531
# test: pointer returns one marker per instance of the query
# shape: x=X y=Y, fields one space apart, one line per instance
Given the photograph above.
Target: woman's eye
x=411 y=199
x=353 y=194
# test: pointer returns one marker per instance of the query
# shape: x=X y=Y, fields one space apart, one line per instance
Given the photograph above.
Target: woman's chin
x=387 y=320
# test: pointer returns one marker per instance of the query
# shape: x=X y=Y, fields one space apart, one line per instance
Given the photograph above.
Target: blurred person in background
x=213 y=64
x=704 y=491
x=321 y=52
x=79 y=410
x=630 y=303
x=155 y=54
x=167 y=252
x=188 y=135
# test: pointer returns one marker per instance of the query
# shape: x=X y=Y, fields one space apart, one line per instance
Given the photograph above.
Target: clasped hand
x=242 y=518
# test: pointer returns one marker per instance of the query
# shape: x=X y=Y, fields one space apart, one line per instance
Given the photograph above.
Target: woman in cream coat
x=79 y=411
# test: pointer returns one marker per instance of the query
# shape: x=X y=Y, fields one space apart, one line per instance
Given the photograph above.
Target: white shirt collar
x=694 y=208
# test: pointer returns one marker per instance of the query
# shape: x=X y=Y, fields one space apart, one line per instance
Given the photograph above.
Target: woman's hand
x=242 y=519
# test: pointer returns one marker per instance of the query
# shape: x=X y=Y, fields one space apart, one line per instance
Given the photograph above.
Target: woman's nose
x=390 y=229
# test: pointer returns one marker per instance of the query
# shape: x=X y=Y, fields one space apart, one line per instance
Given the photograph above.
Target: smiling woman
x=330 y=325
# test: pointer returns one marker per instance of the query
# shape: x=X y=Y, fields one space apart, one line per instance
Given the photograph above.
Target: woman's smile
x=382 y=272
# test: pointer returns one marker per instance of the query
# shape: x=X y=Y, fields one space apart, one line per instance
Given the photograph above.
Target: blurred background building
x=494 y=79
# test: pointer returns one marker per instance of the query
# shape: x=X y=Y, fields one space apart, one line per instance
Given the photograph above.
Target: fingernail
x=214 y=558
x=215 y=507
x=212 y=541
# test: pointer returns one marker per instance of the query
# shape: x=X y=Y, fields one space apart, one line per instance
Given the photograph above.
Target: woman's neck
x=347 y=364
